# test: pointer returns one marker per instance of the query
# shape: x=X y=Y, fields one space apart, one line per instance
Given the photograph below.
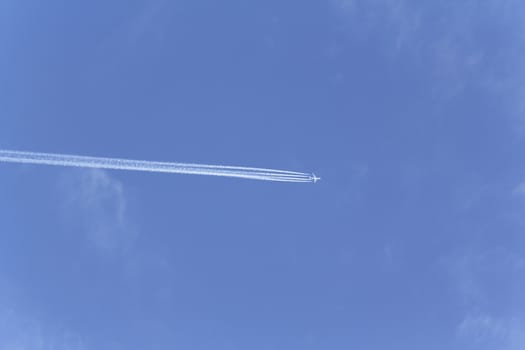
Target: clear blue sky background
x=411 y=111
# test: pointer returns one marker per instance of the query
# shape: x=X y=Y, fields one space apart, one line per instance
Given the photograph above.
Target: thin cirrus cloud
x=449 y=39
x=98 y=203
x=485 y=331
x=20 y=330
x=473 y=275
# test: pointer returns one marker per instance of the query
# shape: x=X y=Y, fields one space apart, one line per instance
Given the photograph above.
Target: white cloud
x=520 y=189
x=400 y=20
x=147 y=20
x=21 y=331
x=98 y=201
x=347 y=6
x=486 y=331
x=482 y=328
x=474 y=272
x=475 y=275
x=450 y=39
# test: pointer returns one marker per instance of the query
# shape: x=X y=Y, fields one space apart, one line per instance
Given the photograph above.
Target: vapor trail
x=159 y=167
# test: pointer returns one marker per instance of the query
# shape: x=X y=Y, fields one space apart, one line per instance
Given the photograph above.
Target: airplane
x=315 y=178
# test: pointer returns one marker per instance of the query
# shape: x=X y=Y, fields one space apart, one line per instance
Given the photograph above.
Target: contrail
x=158 y=167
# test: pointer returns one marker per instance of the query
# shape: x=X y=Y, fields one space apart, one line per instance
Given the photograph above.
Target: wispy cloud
x=147 y=20
x=520 y=189
x=475 y=275
x=400 y=21
x=98 y=201
x=474 y=271
x=19 y=330
x=487 y=332
x=482 y=328
x=450 y=39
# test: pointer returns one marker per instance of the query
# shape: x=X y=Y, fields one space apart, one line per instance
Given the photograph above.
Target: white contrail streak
x=159 y=167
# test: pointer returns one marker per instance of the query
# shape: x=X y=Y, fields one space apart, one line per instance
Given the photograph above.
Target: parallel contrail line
x=264 y=174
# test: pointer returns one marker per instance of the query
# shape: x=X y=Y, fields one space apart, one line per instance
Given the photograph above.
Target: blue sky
x=411 y=111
